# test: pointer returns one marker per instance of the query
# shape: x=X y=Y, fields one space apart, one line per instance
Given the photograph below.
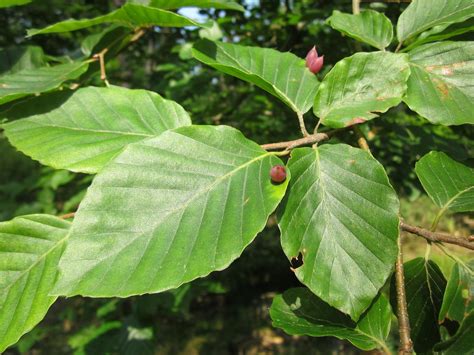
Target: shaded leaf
x=424 y=286
x=167 y=211
x=300 y=312
x=342 y=215
x=35 y=81
x=458 y=298
x=82 y=130
x=449 y=184
x=203 y=4
x=422 y=15
x=369 y=26
x=283 y=75
x=14 y=59
x=360 y=87
x=131 y=15
x=462 y=342
x=439 y=87
x=30 y=248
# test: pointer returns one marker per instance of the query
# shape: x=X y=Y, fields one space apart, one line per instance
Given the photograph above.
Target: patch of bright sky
x=193 y=12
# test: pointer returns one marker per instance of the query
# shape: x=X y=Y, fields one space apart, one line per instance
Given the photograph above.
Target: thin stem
x=434 y=225
x=406 y=345
x=288 y=145
x=398 y=47
x=438 y=237
x=302 y=126
x=103 y=74
x=356 y=7
x=361 y=141
x=68 y=215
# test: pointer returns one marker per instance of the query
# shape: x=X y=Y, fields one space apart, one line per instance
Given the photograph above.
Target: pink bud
x=313 y=62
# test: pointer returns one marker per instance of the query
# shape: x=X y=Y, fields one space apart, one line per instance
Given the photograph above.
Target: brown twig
x=100 y=56
x=310 y=139
x=406 y=345
x=439 y=237
x=68 y=215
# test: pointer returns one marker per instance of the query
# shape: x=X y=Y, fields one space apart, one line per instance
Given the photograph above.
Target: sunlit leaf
x=369 y=26
x=9 y=3
x=360 y=87
x=283 y=75
x=30 y=248
x=82 y=130
x=440 y=85
x=449 y=184
x=131 y=15
x=342 y=216
x=167 y=211
x=203 y=4
x=422 y=15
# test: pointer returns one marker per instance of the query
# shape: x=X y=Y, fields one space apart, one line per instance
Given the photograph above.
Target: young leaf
x=30 y=248
x=167 y=211
x=458 y=298
x=14 y=59
x=35 y=81
x=283 y=75
x=82 y=130
x=422 y=15
x=462 y=342
x=369 y=26
x=449 y=184
x=131 y=15
x=360 y=86
x=439 y=87
x=424 y=286
x=342 y=216
x=202 y=4
x=299 y=312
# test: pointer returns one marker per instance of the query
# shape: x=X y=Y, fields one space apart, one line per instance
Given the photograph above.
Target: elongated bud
x=313 y=61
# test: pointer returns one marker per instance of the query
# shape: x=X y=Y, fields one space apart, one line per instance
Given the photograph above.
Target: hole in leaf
x=296 y=261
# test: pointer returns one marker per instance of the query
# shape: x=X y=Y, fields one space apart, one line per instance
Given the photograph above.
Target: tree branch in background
x=439 y=237
x=310 y=139
x=68 y=215
x=406 y=345
x=361 y=141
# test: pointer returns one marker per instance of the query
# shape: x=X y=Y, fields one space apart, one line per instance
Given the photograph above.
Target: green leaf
x=422 y=15
x=9 y=3
x=167 y=211
x=35 y=81
x=449 y=184
x=462 y=342
x=30 y=248
x=203 y=4
x=299 y=312
x=130 y=15
x=360 y=86
x=214 y=33
x=439 y=87
x=283 y=75
x=442 y=32
x=342 y=216
x=83 y=130
x=458 y=298
x=424 y=286
x=14 y=59
x=369 y=26
x=107 y=38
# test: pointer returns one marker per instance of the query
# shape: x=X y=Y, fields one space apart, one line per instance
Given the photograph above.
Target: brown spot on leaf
x=442 y=87
x=356 y=120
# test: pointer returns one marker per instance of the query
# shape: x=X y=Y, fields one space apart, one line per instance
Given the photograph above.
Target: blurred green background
x=227 y=312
